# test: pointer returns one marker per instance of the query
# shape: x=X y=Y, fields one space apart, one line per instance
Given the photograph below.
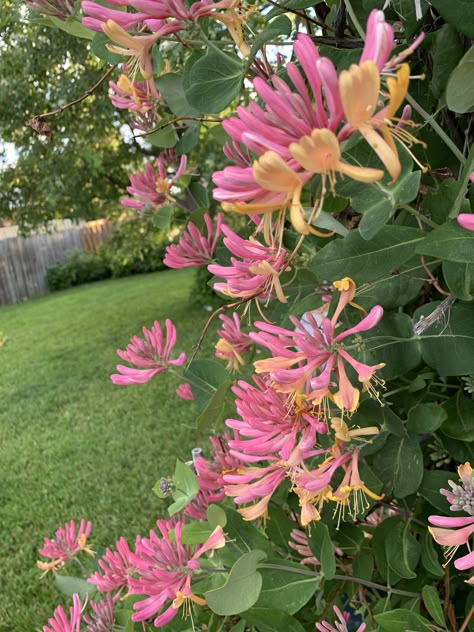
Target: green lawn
x=74 y=445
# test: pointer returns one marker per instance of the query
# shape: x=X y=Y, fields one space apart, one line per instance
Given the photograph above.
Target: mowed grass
x=74 y=445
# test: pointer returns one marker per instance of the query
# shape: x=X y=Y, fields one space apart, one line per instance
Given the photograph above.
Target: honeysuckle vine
x=292 y=165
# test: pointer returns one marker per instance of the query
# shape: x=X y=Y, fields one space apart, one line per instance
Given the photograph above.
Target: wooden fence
x=24 y=262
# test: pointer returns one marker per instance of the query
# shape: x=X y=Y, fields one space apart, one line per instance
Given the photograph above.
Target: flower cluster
x=152 y=354
x=151 y=188
x=311 y=358
x=232 y=342
x=452 y=532
x=165 y=570
x=210 y=474
x=67 y=542
x=256 y=274
x=60 y=622
x=193 y=248
x=297 y=133
x=160 y=17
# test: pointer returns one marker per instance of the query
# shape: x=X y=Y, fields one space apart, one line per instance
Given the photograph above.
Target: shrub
x=79 y=267
x=136 y=247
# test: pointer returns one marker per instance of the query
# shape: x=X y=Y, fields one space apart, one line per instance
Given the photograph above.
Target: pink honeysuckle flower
x=317 y=348
x=461 y=497
x=60 y=621
x=352 y=492
x=117 y=568
x=150 y=188
x=380 y=40
x=232 y=343
x=133 y=95
x=184 y=391
x=152 y=354
x=165 y=570
x=67 y=542
x=339 y=626
x=275 y=184
x=258 y=484
x=360 y=94
x=451 y=533
x=466 y=220
x=102 y=618
x=193 y=248
x=299 y=543
x=272 y=424
x=256 y=275
x=97 y=16
x=210 y=476
x=61 y=9
x=137 y=47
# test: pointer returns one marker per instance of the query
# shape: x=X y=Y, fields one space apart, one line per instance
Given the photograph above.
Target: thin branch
x=343 y=578
x=467 y=619
x=220 y=309
x=177 y=120
x=300 y=14
x=432 y=279
x=86 y=95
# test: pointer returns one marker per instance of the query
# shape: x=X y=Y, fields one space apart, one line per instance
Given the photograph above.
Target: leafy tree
x=82 y=171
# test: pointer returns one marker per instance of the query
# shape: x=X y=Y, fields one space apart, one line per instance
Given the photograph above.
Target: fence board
x=25 y=262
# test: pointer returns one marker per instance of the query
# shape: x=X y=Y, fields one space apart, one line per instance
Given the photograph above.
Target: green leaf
x=449 y=241
x=349 y=539
x=271 y=620
x=100 y=50
x=200 y=194
x=402 y=620
x=216 y=516
x=206 y=376
x=429 y=556
x=189 y=139
x=393 y=290
x=244 y=534
x=321 y=545
x=279 y=26
x=163 y=138
x=212 y=413
x=433 y=604
x=70 y=585
x=379 y=202
x=448 y=344
x=72 y=26
x=279 y=526
x=213 y=81
x=459 y=424
x=459 y=13
x=186 y=487
x=327 y=222
x=286 y=590
x=366 y=260
x=380 y=537
x=446 y=51
x=363 y=565
x=393 y=343
x=172 y=90
x=425 y=418
x=196 y=532
x=242 y=588
x=400 y=465
x=402 y=551
x=433 y=481
x=460 y=88
x=162 y=217
x=459 y=278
